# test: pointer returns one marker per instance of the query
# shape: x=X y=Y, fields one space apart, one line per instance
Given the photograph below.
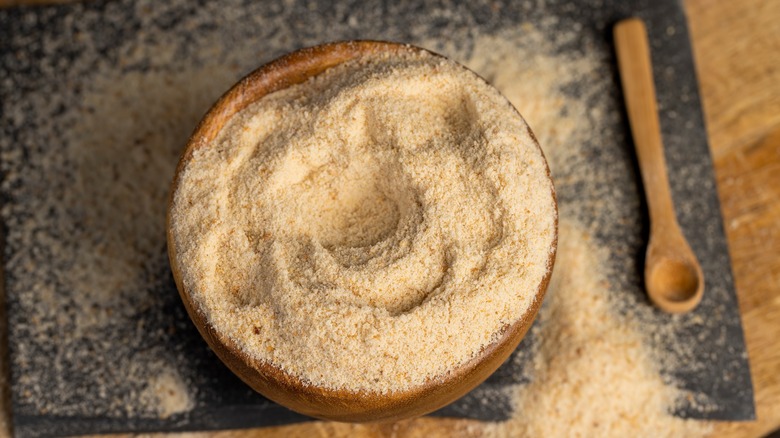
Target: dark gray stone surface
x=42 y=51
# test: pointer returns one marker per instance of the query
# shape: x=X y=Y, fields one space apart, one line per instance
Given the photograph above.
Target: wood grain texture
x=737 y=51
x=737 y=48
x=749 y=187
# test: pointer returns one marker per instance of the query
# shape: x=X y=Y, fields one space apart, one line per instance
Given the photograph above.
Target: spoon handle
x=636 y=75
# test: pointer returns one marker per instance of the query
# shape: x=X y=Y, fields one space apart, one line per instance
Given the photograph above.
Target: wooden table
x=737 y=50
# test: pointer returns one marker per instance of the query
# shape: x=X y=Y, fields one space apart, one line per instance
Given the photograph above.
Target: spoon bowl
x=674 y=282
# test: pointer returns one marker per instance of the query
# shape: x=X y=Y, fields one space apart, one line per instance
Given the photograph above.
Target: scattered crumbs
x=168 y=394
x=593 y=374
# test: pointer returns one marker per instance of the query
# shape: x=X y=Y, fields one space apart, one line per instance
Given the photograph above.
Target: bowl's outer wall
x=269 y=380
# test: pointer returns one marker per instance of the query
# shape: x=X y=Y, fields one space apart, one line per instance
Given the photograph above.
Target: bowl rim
x=270 y=380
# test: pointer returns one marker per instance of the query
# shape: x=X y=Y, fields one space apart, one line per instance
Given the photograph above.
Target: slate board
x=42 y=50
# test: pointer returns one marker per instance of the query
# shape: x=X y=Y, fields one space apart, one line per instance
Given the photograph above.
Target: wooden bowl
x=268 y=379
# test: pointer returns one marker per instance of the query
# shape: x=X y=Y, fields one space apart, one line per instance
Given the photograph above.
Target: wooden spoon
x=267 y=378
x=673 y=276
